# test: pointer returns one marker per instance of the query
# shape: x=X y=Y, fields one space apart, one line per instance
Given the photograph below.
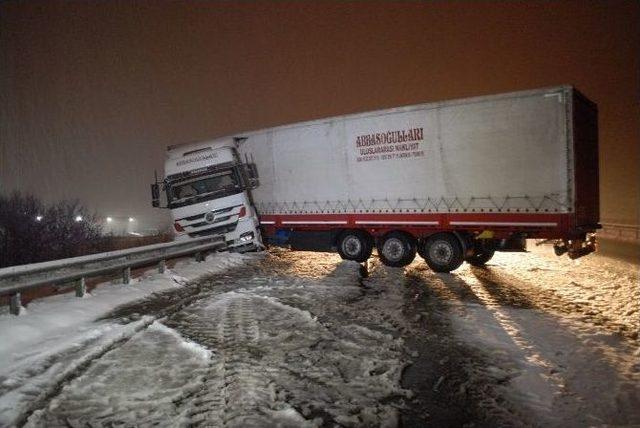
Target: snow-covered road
x=301 y=339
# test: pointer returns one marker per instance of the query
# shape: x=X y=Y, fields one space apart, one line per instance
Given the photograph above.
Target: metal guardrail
x=17 y=279
x=620 y=232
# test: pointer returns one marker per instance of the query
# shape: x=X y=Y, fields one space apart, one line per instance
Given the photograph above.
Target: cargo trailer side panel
x=506 y=154
x=309 y=166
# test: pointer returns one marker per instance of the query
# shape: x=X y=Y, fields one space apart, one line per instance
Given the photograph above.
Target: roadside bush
x=32 y=232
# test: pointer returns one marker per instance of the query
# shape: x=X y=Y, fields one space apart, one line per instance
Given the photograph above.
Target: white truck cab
x=208 y=190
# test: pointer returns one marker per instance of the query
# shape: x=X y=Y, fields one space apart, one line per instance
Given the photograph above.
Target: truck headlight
x=246 y=237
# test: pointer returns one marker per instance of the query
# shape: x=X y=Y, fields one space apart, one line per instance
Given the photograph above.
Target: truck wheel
x=442 y=252
x=480 y=258
x=397 y=249
x=355 y=245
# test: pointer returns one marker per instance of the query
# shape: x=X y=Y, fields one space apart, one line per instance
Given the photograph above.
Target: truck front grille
x=214 y=230
x=217 y=220
x=201 y=216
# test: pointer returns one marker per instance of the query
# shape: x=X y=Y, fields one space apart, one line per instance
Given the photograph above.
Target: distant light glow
x=109 y=219
x=38 y=218
x=131 y=219
x=78 y=218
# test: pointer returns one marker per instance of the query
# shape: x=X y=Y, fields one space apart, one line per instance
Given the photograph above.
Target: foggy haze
x=93 y=92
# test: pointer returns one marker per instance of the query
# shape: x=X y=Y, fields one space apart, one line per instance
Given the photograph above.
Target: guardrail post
x=162 y=266
x=126 y=275
x=15 y=304
x=81 y=287
x=199 y=257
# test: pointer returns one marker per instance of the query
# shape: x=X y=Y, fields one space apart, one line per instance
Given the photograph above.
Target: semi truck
x=451 y=181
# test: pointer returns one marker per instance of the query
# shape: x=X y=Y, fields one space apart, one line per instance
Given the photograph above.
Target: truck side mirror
x=155 y=195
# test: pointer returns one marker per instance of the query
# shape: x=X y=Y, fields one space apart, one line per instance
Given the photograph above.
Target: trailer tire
x=355 y=245
x=480 y=259
x=397 y=249
x=482 y=253
x=442 y=252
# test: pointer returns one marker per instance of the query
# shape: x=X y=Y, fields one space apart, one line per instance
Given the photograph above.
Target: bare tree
x=32 y=232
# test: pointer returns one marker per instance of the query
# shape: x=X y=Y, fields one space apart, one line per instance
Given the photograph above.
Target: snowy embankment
x=57 y=335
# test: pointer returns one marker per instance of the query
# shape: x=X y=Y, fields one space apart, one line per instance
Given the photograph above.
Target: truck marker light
x=177 y=226
x=243 y=212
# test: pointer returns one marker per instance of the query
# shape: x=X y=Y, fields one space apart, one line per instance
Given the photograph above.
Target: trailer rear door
x=585 y=148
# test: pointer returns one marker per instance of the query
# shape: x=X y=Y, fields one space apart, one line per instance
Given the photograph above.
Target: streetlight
x=131 y=219
x=109 y=219
x=78 y=218
x=38 y=218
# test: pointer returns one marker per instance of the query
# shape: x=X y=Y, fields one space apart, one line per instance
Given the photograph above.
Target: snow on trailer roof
x=232 y=138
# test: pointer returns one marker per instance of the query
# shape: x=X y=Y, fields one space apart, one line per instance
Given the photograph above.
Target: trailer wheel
x=355 y=245
x=442 y=252
x=480 y=256
x=397 y=249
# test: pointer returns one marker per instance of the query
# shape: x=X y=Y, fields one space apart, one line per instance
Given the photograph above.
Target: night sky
x=91 y=93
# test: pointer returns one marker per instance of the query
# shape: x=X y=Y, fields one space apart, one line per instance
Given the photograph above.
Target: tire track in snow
x=156 y=306
x=234 y=390
x=37 y=407
x=284 y=350
x=291 y=351
x=120 y=390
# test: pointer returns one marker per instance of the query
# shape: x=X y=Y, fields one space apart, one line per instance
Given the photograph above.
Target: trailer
x=453 y=181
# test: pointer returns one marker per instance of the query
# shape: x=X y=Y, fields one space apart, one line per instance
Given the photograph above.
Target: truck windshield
x=205 y=187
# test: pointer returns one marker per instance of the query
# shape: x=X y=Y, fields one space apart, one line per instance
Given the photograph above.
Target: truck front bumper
x=246 y=237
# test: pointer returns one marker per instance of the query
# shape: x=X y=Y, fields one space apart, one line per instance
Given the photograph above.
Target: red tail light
x=243 y=212
x=177 y=226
